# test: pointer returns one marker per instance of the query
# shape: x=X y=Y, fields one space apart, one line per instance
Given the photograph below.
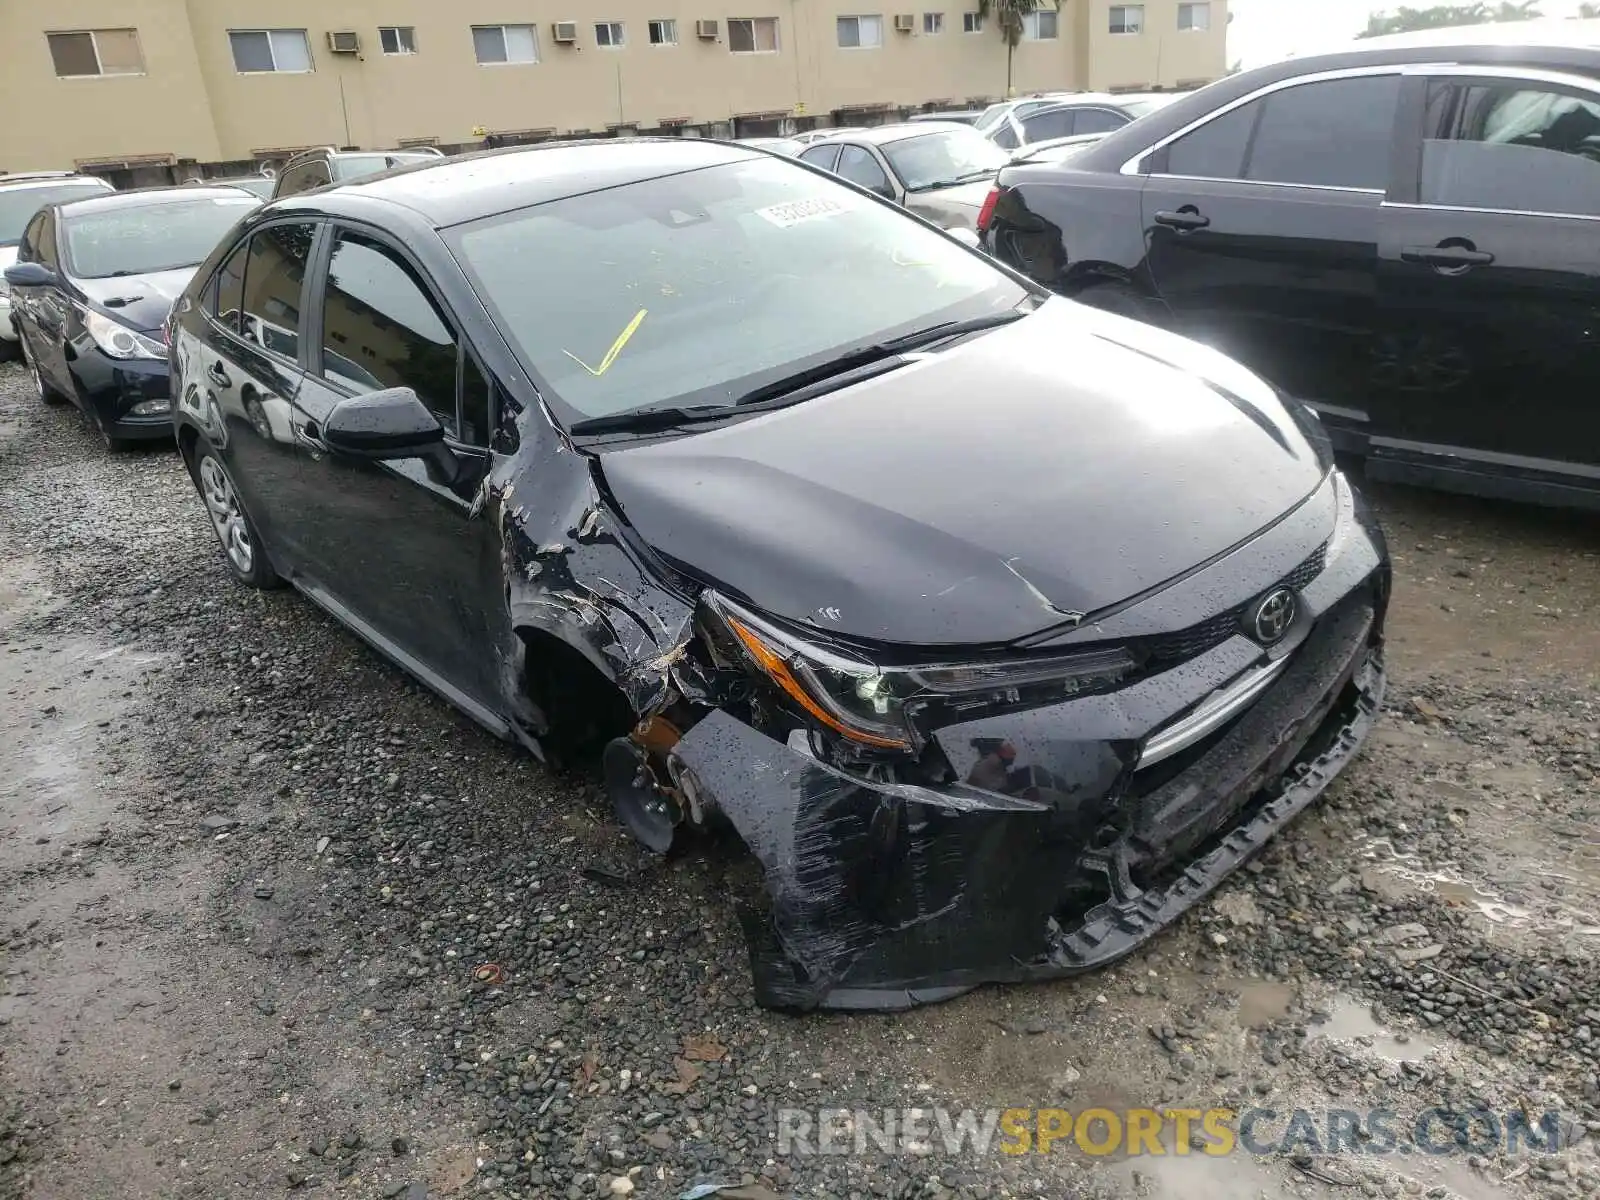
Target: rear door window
x=274 y=280
x=1512 y=146
x=1098 y=120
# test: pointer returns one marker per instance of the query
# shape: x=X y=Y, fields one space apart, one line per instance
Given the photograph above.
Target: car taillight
x=986 y=213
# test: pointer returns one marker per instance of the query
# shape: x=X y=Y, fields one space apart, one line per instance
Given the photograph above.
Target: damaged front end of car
x=931 y=821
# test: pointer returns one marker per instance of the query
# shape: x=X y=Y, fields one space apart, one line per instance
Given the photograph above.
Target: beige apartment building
x=150 y=88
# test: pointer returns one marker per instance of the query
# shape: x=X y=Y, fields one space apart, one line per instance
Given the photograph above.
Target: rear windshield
x=149 y=238
x=354 y=166
x=18 y=204
x=695 y=288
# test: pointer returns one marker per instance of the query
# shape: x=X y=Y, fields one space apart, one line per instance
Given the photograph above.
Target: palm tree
x=1512 y=11
x=1009 y=15
x=1588 y=12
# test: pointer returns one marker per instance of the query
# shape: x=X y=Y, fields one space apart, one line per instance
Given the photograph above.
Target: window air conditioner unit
x=905 y=22
x=706 y=29
x=566 y=32
x=344 y=41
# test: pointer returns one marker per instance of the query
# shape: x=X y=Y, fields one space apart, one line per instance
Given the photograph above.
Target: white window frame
x=305 y=37
x=94 y=44
x=753 y=22
x=877 y=22
x=617 y=31
x=1031 y=23
x=509 y=61
x=932 y=24
x=1190 y=7
x=405 y=40
x=972 y=22
x=1134 y=10
x=667 y=27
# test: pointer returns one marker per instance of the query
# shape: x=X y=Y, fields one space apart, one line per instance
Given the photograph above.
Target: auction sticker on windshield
x=796 y=212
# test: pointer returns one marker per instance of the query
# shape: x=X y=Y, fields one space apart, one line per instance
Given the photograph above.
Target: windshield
x=149 y=238
x=1148 y=104
x=354 y=166
x=700 y=287
x=989 y=116
x=939 y=159
x=18 y=204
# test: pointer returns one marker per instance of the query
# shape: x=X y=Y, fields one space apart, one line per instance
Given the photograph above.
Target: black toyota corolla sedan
x=92 y=287
x=1001 y=629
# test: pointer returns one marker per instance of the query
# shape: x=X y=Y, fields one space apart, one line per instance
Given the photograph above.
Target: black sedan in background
x=943 y=591
x=1404 y=234
x=91 y=288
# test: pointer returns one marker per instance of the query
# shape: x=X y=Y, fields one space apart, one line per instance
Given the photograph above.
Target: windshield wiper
x=665 y=417
x=854 y=366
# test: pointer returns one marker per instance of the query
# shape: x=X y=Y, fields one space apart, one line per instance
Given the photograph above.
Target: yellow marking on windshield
x=616 y=346
x=894 y=256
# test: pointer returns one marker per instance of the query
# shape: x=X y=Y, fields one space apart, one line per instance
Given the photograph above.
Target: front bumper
x=114 y=388
x=1059 y=854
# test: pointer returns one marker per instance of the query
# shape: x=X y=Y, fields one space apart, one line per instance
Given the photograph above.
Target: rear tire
x=1125 y=300
x=241 y=544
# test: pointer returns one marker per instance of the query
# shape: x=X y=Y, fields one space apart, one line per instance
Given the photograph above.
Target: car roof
x=47 y=179
x=145 y=198
x=450 y=191
x=882 y=135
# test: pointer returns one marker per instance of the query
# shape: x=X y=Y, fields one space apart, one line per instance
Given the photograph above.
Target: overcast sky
x=1264 y=30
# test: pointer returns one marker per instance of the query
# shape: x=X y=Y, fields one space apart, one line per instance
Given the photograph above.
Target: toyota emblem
x=1273 y=616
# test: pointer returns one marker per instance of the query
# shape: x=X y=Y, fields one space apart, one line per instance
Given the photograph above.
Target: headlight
x=874 y=705
x=118 y=340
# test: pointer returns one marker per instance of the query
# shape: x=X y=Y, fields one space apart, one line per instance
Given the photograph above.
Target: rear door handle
x=311 y=437
x=1449 y=257
x=1184 y=220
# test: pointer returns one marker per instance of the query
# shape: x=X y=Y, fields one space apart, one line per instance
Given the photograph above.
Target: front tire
x=241 y=544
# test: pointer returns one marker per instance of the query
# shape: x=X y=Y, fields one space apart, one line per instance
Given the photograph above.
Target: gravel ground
x=249 y=873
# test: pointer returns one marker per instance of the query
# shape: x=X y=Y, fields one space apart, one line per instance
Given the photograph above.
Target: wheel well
x=188 y=436
x=581 y=708
x=1089 y=274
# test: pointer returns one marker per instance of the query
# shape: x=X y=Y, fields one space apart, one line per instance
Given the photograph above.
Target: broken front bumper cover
x=886 y=896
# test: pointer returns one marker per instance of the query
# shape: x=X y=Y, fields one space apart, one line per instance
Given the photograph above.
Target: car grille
x=1169 y=648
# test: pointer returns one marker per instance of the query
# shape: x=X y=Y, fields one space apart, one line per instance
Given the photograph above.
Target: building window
x=860 y=33
x=261 y=50
x=663 y=33
x=753 y=35
x=932 y=23
x=96 y=52
x=1127 y=18
x=972 y=22
x=496 y=45
x=397 y=39
x=1041 y=25
x=1196 y=17
x=610 y=33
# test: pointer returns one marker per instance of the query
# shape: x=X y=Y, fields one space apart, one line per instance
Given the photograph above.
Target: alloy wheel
x=227 y=518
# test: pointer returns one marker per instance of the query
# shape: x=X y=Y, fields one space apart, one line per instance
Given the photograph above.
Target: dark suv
x=1405 y=235
x=325 y=165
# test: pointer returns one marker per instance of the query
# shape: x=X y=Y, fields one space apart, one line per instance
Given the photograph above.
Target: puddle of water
x=1262 y=1002
x=1352 y=1021
x=1413 y=875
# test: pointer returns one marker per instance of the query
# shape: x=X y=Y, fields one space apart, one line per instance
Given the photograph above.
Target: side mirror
x=392 y=423
x=30 y=274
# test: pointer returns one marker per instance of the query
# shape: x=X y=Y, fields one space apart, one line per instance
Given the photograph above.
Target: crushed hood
x=1046 y=469
x=140 y=302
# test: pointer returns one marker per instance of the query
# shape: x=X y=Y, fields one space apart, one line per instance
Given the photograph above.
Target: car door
x=399 y=553
x=242 y=370
x=47 y=308
x=1490 y=281
x=861 y=166
x=1261 y=226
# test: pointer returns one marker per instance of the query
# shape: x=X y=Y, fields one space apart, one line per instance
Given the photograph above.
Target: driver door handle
x=1447 y=256
x=311 y=437
x=1185 y=220
x=219 y=376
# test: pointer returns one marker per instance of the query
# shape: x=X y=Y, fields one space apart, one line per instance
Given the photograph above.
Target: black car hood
x=1048 y=468
x=140 y=302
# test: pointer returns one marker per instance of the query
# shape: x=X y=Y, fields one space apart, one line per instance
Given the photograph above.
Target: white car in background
x=21 y=196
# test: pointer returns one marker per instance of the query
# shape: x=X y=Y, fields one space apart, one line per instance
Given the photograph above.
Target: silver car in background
x=939 y=171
